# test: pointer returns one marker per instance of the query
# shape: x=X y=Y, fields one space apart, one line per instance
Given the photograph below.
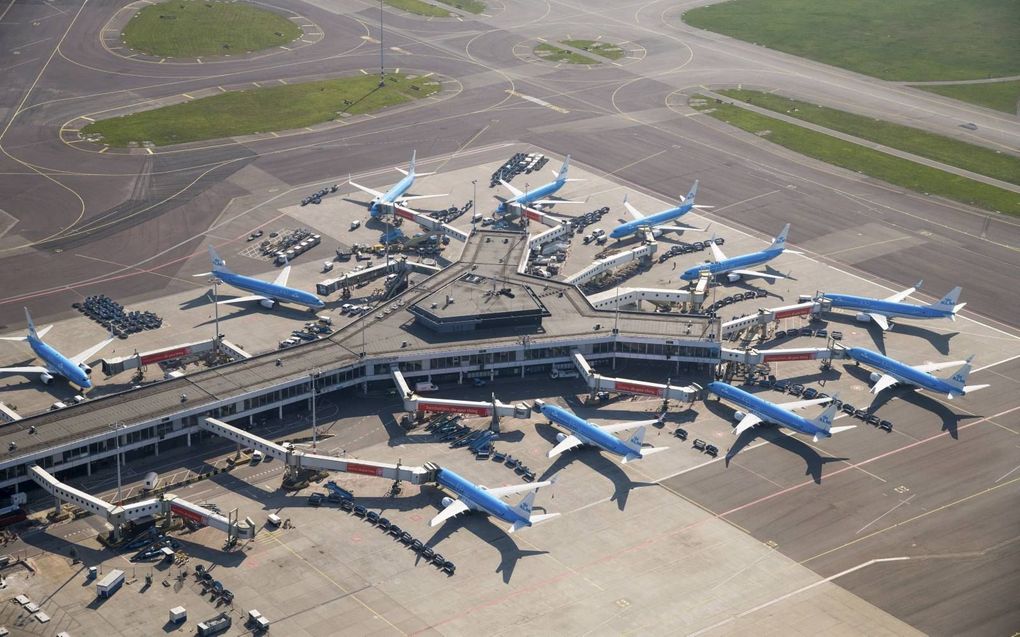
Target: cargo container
x=107 y=586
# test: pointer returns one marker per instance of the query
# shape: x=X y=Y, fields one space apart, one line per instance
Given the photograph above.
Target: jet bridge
x=297 y=460
x=621 y=297
x=350 y=279
x=548 y=236
x=534 y=214
x=429 y=223
x=119 y=515
x=615 y=261
x=413 y=403
x=597 y=382
x=755 y=357
x=764 y=317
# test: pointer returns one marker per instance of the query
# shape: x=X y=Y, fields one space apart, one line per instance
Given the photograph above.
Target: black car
x=848 y=409
x=383 y=524
x=360 y=511
x=680 y=433
x=885 y=425
x=372 y=517
x=809 y=393
x=712 y=450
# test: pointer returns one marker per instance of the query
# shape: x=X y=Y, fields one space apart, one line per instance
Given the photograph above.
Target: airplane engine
x=738 y=416
x=85 y=368
x=267 y=303
x=446 y=502
x=732 y=277
x=45 y=378
x=875 y=376
x=561 y=437
x=862 y=317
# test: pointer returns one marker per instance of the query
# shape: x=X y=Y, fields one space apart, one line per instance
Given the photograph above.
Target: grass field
x=1002 y=96
x=259 y=110
x=910 y=40
x=978 y=159
x=896 y=171
x=418 y=7
x=471 y=6
x=200 y=29
x=605 y=49
x=556 y=54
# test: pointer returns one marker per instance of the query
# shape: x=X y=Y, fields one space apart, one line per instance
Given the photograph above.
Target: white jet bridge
x=413 y=403
x=608 y=263
x=429 y=223
x=597 y=382
x=766 y=316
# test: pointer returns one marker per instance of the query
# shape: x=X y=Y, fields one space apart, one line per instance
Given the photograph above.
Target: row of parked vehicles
x=687 y=248
x=807 y=331
x=519 y=163
x=112 y=316
x=316 y=197
x=736 y=298
x=578 y=224
x=810 y=393
x=345 y=500
x=698 y=444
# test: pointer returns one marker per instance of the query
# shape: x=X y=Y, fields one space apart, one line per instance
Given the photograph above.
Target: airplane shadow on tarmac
x=938 y=340
x=483 y=527
x=597 y=462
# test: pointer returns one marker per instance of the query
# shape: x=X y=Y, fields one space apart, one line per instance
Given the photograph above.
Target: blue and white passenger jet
x=881 y=310
x=536 y=197
x=891 y=372
x=384 y=201
x=653 y=223
x=72 y=368
x=754 y=410
x=733 y=267
x=583 y=432
x=266 y=293
x=472 y=497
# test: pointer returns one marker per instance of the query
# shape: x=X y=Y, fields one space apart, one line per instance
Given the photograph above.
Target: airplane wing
x=764 y=275
x=549 y=202
x=87 y=354
x=717 y=252
x=885 y=382
x=934 y=367
x=899 y=296
x=880 y=320
x=568 y=443
x=409 y=198
x=24 y=370
x=456 y=508
x=634 y=212
x=678 y=228
x=244 y=299
x=502 y=492
x=374 y=193
x=748 y=421
x=515 y=191
x=627 y=426
x=281 y=278
x=801 y=404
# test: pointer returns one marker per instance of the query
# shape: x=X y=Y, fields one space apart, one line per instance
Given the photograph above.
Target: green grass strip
x=605 y=49
x=200 y=29
x=260 y=110
x=900 y=172
x=1001 y=96
x=418 y=7
x=908 y=40
x=552 y=53
x=978 y=159
x=471 y=6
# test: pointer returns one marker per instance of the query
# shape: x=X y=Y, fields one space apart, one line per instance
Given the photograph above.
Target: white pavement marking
x=902 y=502
x=1007 y=475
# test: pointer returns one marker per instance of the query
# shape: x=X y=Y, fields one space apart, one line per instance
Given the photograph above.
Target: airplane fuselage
x=892 y=309
x=733 y=263
x=391 y=195
x=532 y=195
x=59 y=364
x=659 y=218
x=585 y=431
x=767 y=411
x=271 y=290
x=478 y=499
x=902 y=372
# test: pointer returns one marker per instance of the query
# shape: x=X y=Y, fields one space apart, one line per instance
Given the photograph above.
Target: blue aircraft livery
x=522 y=199
x=72 y=368
x=881 y=310
x=653 y=223
x=583 y=432
x=472 y=497
x=383 y=202
x=734 y=267
x=754 y=410
x=891 y=372
x=267 y=294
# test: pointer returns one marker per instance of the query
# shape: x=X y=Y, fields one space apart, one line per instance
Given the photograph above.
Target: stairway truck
x=423 y=387
x=107 y=586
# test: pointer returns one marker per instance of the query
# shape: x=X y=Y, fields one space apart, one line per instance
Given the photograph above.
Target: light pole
x=474 y=197
x=117 y=426
x=216 y=320
x=382 y=74
x=315 y=429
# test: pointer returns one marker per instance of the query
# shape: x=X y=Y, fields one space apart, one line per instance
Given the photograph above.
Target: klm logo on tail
x=825 y=419
x=959 y=378
x=526 y=507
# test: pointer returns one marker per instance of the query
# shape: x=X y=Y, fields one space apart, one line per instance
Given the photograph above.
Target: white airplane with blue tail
x=72 y=368
x=657 y=223
x=473 y=497
x=880 y=311
x=384 y=201
x=734 y=267
x=892 y=372
x=754 y=411
x=583 y=433
x=266 y=293
x=522 y=199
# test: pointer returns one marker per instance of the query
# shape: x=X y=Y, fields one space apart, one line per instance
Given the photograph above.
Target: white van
x=273 y=520
x=257 y=456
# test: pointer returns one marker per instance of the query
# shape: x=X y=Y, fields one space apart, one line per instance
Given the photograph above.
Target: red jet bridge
x=413 y=403
x=597 y=382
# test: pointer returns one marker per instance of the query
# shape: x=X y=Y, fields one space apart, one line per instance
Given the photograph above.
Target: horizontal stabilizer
x=645 y=452
x=971 y=388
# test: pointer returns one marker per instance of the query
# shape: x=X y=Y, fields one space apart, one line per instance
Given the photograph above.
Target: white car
x=355 y=224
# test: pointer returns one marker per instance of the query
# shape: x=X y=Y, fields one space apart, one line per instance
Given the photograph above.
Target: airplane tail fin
x=692 y=194
x=949 y=301
x=780 y=240
x=958 y=381
x=218 y=264
x=31 y=325
x=564 y=168
x=410 y=165
x=523 y=508
x=824 y=419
